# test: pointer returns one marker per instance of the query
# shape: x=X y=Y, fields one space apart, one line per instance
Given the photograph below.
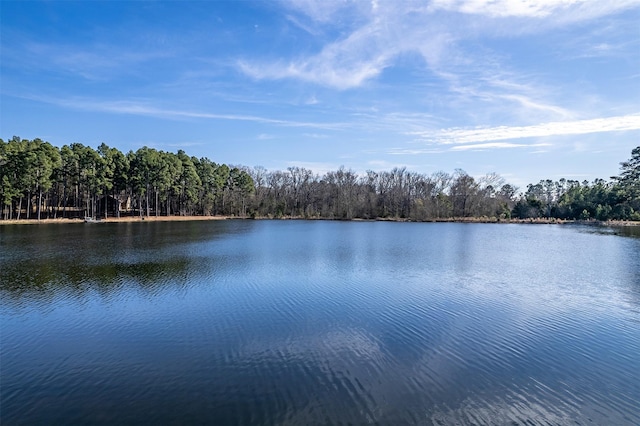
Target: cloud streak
x=523 y=8
x=560 y=128
x=495 y=145
x=143 y=109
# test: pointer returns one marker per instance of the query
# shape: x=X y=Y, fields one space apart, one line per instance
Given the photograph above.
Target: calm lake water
x=295 y=323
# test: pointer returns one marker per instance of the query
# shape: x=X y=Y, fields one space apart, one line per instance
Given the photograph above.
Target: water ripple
x=321 y=323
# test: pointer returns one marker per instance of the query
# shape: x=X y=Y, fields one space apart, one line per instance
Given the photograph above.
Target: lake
x=319 y=322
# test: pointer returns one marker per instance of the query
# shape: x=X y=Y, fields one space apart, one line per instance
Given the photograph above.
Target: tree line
x=39 y=180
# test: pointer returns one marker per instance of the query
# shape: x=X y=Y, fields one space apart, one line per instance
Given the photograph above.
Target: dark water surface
x=294 y=322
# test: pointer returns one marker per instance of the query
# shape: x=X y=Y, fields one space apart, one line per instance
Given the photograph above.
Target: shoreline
x=126 y=219
x=130 y=219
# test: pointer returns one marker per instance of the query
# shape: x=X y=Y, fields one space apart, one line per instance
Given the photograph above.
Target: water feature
x=318 y=322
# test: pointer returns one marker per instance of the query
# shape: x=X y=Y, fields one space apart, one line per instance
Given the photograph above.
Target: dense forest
x=39 y=180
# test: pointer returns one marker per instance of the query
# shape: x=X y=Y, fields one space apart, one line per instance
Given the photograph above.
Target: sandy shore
x=196 y=218
x=115 y=220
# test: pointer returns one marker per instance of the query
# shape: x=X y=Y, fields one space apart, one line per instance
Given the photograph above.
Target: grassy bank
x=439 y=220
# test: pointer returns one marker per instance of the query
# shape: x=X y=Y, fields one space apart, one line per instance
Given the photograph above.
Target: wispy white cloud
x=334 y=66
x=309 y=28
x=530 y=104
x=495 y=145
x=479 y=86
x=495 y=92
x=95 y=62
x=486 y=134
x=146 y=109
x=580 y=9
x=593 y=49
x=504 y=8
x=379 y=32
x=323 y=11
x=374 y=37
x=418 y=151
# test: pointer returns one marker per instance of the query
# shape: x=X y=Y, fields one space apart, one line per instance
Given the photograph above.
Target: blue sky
x=529 y=89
